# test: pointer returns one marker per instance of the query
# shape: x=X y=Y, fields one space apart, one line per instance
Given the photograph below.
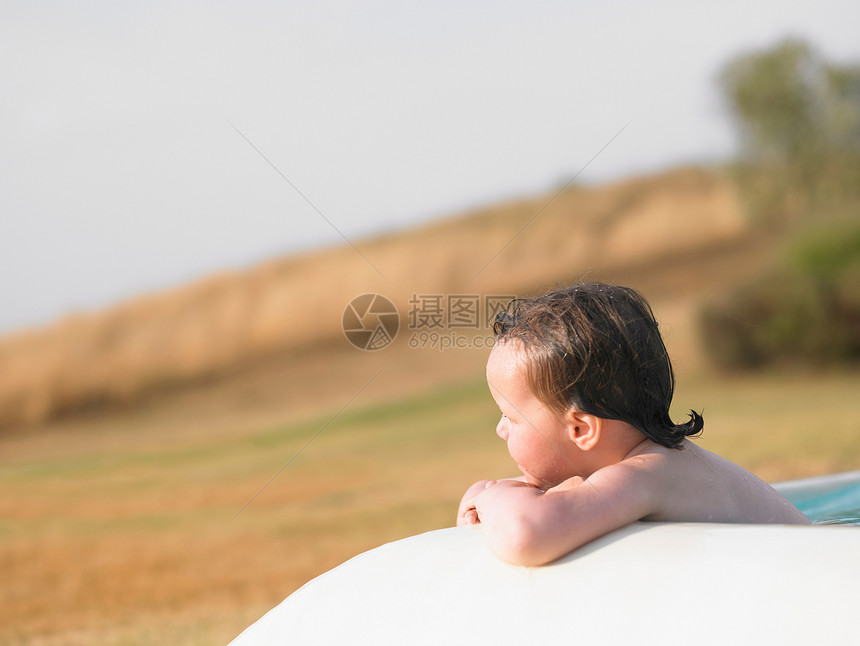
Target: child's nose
x=502 y=428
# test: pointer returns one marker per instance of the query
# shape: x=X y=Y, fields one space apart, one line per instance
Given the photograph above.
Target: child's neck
x=618 y=441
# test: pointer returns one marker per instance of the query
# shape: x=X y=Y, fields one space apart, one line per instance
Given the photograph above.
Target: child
x=584 y=385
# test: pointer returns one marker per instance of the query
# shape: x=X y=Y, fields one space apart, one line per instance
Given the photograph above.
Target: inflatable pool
x=648 y=583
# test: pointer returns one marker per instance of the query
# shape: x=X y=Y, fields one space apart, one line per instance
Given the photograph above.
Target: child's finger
x=462 y=516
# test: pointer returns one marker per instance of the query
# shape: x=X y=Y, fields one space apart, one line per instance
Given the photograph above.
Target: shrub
x=805 y=310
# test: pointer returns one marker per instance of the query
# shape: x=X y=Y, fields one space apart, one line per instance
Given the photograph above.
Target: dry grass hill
x=676 y=235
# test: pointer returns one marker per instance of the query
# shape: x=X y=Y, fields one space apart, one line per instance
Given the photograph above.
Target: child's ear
x=583 y=429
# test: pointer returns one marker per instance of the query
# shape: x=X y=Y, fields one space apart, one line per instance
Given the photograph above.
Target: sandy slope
x=267 y=341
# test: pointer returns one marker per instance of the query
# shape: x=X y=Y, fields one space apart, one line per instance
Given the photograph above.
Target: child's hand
x=570 y=483
x=467 y=514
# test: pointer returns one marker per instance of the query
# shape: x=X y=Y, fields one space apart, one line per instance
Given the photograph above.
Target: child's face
x=537 y=436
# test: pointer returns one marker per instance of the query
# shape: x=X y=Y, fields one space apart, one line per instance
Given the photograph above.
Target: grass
x=142 y=544
x=781 y=426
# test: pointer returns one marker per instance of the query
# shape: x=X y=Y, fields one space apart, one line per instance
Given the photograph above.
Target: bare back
x=696 y=485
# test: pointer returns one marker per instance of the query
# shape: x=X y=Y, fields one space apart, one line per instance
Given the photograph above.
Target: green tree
x=798 y=117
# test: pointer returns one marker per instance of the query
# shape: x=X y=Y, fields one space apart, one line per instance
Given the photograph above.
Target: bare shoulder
x=648 y=465
x=693 y=484
x=638 y=481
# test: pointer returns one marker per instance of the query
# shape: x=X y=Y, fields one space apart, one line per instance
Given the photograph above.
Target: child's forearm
x=516 y=479
x=466 y=513
x=524 y=525
x=511 y=526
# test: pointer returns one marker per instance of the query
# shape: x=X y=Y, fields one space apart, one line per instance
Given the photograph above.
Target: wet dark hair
x=597 y=348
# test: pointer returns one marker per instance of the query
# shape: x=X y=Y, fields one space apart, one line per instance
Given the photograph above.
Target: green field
x=139 y=543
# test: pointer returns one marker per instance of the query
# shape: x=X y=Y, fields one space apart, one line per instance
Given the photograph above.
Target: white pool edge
x=805 y=488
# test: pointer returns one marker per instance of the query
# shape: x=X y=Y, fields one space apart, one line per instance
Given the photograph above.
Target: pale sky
x=122 y=171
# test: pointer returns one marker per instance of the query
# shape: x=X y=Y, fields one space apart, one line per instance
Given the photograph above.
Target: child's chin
x=540 y=483
x=535 y=482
